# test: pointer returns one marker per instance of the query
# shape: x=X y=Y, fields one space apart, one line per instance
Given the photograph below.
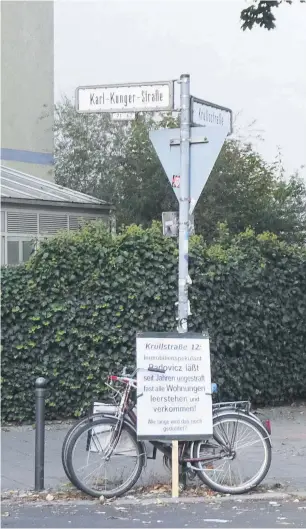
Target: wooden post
x=175 y=470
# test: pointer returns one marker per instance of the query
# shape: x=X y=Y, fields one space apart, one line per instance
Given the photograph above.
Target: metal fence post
x=40 y=395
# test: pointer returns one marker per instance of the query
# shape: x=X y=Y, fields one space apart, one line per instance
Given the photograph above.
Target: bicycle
x=111 y=409
x=200 y=457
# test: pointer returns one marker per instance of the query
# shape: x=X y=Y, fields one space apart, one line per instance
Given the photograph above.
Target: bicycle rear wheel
x=101 y=448
x=238 y=457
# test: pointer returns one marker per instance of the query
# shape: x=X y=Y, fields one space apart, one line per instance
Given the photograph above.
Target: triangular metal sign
x=206 y=144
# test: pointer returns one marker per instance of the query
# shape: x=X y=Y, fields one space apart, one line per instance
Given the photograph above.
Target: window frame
x=20 y=239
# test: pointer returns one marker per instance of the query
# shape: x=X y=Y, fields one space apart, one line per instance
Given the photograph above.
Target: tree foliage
x=72 y=312
x=261 y=13
x=243 y=191
x=112 y=161
x=116 y=161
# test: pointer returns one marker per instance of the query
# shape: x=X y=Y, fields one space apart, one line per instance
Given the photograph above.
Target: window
x=18 y=250
x=27 y=249
x=12 y=252
x=50 y=224
x=21 y=222
x=77 y=221
x=2 y=221
x=2 y=250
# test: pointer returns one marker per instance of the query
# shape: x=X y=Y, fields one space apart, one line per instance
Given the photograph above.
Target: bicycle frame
x=126 y=414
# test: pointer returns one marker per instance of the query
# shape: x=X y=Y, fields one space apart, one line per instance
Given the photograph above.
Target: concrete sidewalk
x=288 y=460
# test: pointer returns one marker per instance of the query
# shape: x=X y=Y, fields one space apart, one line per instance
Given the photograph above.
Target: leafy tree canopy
x=116 y=162
x=261 y=13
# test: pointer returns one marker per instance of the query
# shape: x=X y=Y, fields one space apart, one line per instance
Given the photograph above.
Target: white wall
x=27 y=86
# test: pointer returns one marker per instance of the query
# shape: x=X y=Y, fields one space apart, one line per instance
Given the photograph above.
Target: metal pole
x=184 y=204
x=40 y=395
x=183 y=240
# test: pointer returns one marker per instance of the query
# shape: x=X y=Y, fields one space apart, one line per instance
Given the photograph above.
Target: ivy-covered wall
x=71 y=314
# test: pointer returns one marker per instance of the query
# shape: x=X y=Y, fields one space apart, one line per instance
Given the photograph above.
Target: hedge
x=71 y=314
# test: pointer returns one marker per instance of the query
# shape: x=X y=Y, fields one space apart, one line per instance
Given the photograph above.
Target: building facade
x=27 y=86
x=33 y=209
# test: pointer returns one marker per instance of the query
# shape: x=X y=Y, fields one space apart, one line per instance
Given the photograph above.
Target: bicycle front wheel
x=71 y=432
x=238 y=457
x=104 y=459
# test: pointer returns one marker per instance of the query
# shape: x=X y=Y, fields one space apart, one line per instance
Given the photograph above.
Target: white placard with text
x=176 y=404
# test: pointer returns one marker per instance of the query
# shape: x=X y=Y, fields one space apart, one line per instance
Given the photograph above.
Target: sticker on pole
x=176 y=404
x=170 y=220
x=176 y=181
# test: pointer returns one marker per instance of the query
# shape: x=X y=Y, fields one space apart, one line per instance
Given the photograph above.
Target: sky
x=259 y=74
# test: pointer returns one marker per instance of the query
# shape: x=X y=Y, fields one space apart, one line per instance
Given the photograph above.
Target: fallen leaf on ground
x=49 y=497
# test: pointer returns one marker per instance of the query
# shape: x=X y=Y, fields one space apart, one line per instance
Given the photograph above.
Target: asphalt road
x=244 y=514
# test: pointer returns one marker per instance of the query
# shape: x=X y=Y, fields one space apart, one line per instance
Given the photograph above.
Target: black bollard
x=40 y=395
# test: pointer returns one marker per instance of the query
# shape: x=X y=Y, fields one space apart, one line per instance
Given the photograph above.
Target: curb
x=264 y=496
x=260 y=496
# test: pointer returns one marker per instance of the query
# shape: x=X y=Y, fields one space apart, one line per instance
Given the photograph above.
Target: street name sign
x=132 y=97
x=205 y=113
x=123 y=116
x=205 y=146
x=178 y=403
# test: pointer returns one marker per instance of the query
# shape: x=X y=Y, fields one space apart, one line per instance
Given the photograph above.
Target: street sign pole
x=206 y=142
x=184 y=204
x=183 y=239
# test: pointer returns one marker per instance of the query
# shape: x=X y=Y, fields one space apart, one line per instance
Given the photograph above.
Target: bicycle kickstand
x=183 y=476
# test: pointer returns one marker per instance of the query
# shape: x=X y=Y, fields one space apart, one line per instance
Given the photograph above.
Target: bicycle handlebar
x=153 y=369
